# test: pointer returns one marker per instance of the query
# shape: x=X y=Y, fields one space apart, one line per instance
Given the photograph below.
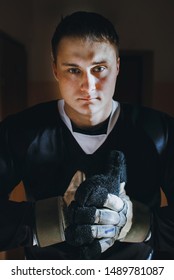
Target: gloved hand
x=102 y=212
x=51 y=214
x=105 y=222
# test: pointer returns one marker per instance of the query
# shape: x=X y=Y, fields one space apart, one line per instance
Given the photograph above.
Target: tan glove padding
x=50 y=221
x=137 y=225
x=50 y=214
x=140 y=228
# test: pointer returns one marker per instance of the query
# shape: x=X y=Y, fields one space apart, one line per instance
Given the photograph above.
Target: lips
x=88 y=98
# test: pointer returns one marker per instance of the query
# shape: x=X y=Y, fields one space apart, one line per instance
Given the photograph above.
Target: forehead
x=85 y=49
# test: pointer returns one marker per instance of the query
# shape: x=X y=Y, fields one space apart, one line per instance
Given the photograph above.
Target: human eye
x=98 y=69
x=74 y=70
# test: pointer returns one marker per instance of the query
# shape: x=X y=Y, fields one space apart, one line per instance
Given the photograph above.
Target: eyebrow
x=70 y=64
x=76 y=65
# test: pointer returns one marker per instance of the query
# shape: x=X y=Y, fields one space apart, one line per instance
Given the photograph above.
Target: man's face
x=86 y=72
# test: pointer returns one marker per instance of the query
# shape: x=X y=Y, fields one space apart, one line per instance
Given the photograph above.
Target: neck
x=92 y=130
x=88 y=121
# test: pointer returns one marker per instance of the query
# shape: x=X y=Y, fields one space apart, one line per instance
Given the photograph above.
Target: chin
x=90 y=108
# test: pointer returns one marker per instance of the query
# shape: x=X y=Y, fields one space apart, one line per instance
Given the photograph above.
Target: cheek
x=68 y=80
x=101 y=83
x=68 y=87
x=107 y=82
x=63 y=81
x=113 y=78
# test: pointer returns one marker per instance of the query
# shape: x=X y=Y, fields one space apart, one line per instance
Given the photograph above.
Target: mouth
x=88 y=98
x=88 y=101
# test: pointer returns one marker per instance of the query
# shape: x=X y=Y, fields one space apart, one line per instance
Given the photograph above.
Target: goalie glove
x=103 y=212
x=101 y=209
x=96 y=230
x=112 y=219
x=105 y=192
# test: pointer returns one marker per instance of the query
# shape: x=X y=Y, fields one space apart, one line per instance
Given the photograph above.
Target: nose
x=88 y=84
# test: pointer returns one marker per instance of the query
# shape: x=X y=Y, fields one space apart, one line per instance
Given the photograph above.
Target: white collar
x=90 y=143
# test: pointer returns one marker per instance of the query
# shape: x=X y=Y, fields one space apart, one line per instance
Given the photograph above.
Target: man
x=54 y=148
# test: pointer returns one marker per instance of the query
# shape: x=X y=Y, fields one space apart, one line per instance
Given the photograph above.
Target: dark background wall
x=142 y=25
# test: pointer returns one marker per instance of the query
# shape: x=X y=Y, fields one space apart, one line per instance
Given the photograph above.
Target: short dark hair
x=85 y=25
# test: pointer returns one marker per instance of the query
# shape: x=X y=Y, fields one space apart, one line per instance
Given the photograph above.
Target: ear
x=54 y=67
x=55 y=71
x=118 y=64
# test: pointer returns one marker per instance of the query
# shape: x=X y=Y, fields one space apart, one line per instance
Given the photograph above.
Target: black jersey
x=36 y=147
